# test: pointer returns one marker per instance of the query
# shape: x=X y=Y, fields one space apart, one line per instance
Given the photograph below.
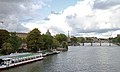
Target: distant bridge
x=96 y=44
x=92 y=44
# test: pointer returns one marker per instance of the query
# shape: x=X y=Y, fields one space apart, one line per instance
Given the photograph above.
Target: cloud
x=71 y=16
x=53 y=12
x=105 y=4
x=90 y=17
x=56 y=30
x=12 y=24
x=15 y=12
x=47 y=19
x=85 y=18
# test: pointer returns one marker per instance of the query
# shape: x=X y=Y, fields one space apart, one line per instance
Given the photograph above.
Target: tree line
x=116 y=40
x=10 y=42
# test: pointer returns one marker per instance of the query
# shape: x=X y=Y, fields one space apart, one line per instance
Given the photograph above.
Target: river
x=86 y=58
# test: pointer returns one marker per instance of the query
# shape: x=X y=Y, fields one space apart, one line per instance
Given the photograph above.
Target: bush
x=64 y=45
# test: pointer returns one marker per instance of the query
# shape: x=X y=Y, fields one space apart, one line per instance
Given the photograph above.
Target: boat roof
x=17 y=55
x=6 y=58
x=21 y=56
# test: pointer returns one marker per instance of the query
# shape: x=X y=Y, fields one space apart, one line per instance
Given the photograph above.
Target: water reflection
x=78 y=59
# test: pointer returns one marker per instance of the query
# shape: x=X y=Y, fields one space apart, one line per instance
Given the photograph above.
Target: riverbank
x=62 y=49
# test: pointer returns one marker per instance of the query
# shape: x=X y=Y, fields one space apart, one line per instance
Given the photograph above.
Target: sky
x=86 y=18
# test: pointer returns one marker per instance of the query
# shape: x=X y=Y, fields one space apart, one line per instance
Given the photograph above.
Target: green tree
x=15 y=41
x=89 y=39
x=64 y=45
x=61 y=37
x=48 y=41
x=24 y=40
x=55 y=43
x=7 y=48
x=116 y=39
x=4 y=35
x=81 y=39
x=74 y=40
x=34 y=40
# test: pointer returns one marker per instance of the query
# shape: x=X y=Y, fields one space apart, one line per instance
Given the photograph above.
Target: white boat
x=19 y=59
x=56 y=52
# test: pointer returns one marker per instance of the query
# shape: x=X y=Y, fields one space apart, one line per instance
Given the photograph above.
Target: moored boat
x=47 y=53
x=19 y=59
x=56 y=52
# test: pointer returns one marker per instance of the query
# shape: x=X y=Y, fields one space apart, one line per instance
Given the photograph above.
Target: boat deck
x=22 y=56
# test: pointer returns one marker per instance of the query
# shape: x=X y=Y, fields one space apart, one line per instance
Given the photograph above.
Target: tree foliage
x=116 y=39
x=55 y=43
x=48 y=41
x=7 y=48
x=88 y=39
x=64 y=45
x=74 y=40
x=34 y=40
x=15 y=41
x=61 y=37
x=4 y=35
x=81 y=39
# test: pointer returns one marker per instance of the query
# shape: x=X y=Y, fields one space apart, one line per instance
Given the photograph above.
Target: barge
x=47 y=53
x=14 y=60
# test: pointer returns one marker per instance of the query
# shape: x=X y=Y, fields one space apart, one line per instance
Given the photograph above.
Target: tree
x=64 y=45
x=61 y=37
x=55 y=43
x=34 y=40
x=15 y=41
x=7 y=48
x=48 y=41
x=81 y=39
x=89 y=39
x=4 y=35
x=74 y=40
x=116 y=39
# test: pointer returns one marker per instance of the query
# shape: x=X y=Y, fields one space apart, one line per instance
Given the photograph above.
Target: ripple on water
x=77 y=59
x=102 y=68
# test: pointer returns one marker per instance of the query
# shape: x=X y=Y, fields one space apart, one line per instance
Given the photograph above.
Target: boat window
x=1 y=61
x=13 y=62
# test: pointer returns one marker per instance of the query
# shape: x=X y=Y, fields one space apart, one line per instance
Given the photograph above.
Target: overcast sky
x=100 y=18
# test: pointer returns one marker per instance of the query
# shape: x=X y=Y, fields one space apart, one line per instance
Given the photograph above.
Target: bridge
x=96 y=43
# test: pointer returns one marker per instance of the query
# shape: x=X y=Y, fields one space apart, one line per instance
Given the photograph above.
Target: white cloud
x=37 y=24
x=13 y=11
x=84 y=19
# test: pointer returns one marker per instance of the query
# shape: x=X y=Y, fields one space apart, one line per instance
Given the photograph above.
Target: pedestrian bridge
x=96 y=44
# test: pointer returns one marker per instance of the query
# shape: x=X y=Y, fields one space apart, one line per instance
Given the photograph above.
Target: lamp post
x=110 y=36
x=99 y=40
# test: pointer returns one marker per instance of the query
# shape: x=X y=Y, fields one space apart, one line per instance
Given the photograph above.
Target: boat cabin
x=5 y=61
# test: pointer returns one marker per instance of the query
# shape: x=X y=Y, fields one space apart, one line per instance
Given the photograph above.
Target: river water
x=77 y=59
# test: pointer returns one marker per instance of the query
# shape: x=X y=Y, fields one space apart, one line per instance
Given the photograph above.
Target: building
x=48 y=33
x=22 y=35
x=68 y=38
